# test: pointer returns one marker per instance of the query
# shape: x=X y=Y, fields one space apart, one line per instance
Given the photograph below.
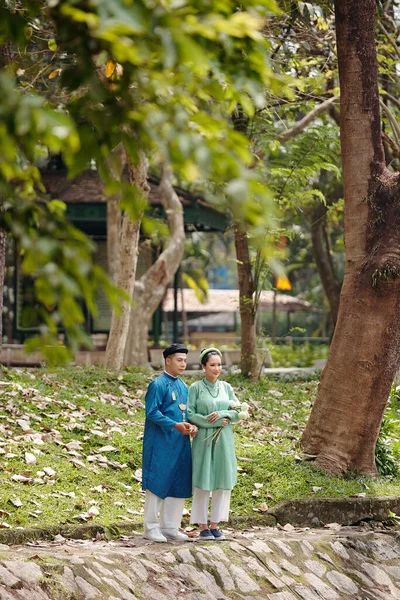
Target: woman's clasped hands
x=214 y=416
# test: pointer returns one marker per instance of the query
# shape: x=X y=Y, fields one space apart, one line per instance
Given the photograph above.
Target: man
x=167 y=460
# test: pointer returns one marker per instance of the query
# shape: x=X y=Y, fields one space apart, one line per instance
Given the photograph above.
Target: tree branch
x=393 y=122
x=390 y=38
x=151 y=286
x=302 y=124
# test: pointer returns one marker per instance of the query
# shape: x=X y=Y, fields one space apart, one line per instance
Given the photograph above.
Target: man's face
x=176 y=364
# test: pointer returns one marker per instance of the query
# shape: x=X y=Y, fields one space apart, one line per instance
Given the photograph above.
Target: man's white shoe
x=174 y=534
x=154 y=535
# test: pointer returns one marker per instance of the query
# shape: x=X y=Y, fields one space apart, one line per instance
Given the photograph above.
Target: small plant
x=393 y=519
x=386 y=456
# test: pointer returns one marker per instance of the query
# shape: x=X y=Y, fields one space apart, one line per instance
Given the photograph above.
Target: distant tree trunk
x=323 y=259
x=129 y=249
x=344 y=423
x=116 y=163
x=113 y=236
x=247 y=308
x=185 y=329
x=151 y=287
x=3 y=252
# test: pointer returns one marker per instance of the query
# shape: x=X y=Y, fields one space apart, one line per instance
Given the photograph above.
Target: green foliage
x=194 y=264
x=295 y=169
x=385 y=456
x=297 y=355
x=156 y=78
x=387 y=452
x=56 y=255
x=162 y=80
x=387 y=273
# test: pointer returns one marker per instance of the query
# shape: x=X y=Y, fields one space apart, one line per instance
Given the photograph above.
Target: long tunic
x=214 y=465
x=167 y=462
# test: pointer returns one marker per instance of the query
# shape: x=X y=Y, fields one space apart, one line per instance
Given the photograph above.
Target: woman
x=210 y=405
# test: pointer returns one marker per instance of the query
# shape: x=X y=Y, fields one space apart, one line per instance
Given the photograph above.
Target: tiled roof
x=227 y=301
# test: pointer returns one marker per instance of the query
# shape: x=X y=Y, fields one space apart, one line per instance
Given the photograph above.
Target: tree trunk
x=344 y=423
x=151 y=287
x=323 y=259
x=129 y=245
x=3 y=252
x=247 y=305
x=247 y=308
x=113 y=236
x=116 y=163
x=185 y=329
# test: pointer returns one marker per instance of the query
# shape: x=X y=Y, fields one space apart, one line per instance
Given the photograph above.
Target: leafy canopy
x=161 y=78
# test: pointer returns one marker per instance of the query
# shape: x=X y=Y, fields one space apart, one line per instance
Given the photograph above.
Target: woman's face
x=212 y=368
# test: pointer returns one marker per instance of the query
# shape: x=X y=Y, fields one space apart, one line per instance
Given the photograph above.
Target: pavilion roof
x=227 y=301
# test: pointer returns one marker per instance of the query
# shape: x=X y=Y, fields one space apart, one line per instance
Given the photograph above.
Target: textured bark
x=247 y=308
x=247 y=287
x=113 y=236
x=323 y=259
x=344 y=424
x=129 y=248
x=117 y=163
x=151 y=287
x=3 y=252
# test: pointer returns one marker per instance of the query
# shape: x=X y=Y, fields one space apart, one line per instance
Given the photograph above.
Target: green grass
x=95 y=408
x=297 y=355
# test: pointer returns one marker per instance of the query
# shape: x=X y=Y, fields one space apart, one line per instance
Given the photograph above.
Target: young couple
x=173 y=416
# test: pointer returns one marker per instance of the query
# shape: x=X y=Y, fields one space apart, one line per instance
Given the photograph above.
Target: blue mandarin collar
x=171 y=377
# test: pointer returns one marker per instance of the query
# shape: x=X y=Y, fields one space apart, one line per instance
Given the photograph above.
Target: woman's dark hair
x=205 y=358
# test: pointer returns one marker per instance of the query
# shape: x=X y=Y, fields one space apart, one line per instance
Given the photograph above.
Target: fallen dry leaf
x=22 y=479
x=25 y=425
x=49 y=471
x=107 y=449
x=137 y=475
x=76 y=462
x=74 y=445
x=30 y=458
x=16 y=502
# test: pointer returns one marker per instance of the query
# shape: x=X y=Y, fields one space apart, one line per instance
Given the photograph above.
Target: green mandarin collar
x=209 y=384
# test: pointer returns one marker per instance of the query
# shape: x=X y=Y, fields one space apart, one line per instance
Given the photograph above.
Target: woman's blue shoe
x=217 y=534
x=206 y=535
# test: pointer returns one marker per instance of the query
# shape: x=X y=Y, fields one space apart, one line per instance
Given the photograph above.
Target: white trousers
x=220 y=502
x=170 y=511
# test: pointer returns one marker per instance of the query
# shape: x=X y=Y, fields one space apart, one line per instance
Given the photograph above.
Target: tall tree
x=151 y=287
x=126 y=275
x=344 y=423
x=247 y=303
x=160 y=81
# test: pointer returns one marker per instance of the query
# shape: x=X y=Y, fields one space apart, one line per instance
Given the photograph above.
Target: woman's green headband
x=207 y=350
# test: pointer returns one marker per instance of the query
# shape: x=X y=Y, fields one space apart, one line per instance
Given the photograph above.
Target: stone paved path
x=250 y=565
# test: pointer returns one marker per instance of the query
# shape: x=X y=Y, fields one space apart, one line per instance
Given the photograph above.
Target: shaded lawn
x=70 y=446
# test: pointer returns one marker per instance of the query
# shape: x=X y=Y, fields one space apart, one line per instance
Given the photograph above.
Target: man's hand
x=184 y=428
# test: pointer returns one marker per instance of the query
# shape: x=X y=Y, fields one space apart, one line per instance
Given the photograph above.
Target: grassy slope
x=96 y=408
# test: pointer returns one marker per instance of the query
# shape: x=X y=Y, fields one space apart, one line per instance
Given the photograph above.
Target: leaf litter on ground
x=70 y=444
